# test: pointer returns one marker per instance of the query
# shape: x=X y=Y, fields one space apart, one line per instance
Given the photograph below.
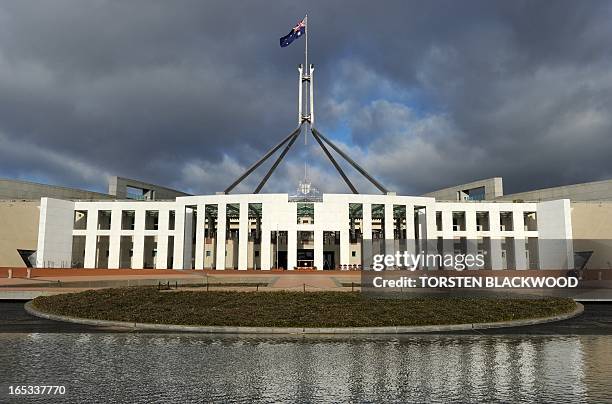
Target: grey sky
x=188 y=93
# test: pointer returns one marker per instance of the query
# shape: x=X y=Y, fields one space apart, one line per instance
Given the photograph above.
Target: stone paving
x=49 y=280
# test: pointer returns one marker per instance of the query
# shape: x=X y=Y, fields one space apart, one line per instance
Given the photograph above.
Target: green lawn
x=290 y=309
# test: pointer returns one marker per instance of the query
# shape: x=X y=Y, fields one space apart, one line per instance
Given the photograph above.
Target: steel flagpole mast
x=306 y=43
x=306 y=72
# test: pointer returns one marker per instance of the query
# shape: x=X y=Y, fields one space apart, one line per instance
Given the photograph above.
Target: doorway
x=282 y=260
x=328 y=260
x=305 y=258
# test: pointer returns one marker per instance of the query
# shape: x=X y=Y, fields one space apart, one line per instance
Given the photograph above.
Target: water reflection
x=198 y=368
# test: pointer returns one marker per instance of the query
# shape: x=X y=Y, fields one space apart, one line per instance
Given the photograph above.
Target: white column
x=520 y=258
x=389 y=237
x=345 y=248
x=318 y=249
x=114 y=241
x=291 y=249
x=366 y=224
x=496 y=254
x=199 y=247
x=266 y=247
x=410 y=236
x=431 y=231
x=430 y=222
x=518 y=225
x=221 y=235
x=90 y=238
x=188 y=239
x=556 y=250
x=55 y=229
x=139 y=228
x=367 y=221
x=471 y=235
x=447 y=232
x=470 y=224
x=243 y=236
x=496 y=240
x=161 y=261
x=179 y=237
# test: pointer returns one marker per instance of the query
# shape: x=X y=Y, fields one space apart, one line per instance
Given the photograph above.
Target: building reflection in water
x=417 y=368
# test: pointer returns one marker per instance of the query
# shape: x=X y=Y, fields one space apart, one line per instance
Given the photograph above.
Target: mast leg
x=333 y=161
x=276 y=163
x=351 y=162
x=261 y=160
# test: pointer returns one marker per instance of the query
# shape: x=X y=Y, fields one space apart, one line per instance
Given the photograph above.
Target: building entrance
x=305 y=258
x=282 y=260
x=328 y=260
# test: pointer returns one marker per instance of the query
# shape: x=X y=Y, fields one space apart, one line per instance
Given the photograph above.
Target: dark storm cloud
x=188 y=93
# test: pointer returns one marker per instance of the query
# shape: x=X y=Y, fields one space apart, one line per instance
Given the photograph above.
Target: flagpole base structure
x=306 y=122
x=322 y=141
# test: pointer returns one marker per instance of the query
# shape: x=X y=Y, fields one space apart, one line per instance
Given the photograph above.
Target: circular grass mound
x=291 y=309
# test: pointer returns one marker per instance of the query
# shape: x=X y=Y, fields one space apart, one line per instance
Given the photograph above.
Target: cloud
x=22 y=160
x=423 y=95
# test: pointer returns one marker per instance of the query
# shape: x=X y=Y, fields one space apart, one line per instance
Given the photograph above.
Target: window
x=127 y=219
x=458 y=221
x=473 y=194
x=80 y=220
x=378 y=221
x=305 y=213
x=505 y=219
x=151 y=219
x=482 y=221
x=355 y=221
x=530 y=221
x=104 y=220
x=171 y=220
x=353 y=253
x=134 y=193
x=208 y=253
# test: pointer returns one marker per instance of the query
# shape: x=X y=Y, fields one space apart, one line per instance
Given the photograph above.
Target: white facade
x=138 y=234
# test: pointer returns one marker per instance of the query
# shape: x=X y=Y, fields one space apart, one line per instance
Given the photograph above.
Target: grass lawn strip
x=291 y=309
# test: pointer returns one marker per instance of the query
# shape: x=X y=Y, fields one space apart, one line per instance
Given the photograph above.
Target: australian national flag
x=294 y=34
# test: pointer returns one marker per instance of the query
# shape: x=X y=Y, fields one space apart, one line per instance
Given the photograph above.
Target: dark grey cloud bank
x=188 y=93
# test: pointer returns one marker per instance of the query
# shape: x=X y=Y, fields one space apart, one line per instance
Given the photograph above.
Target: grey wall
x=493 y=189
x=117 y=186
x=588 y=191
x=15 y=189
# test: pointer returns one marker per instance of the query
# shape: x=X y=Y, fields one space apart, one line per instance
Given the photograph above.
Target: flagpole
x=306 y=44
x=306 y=71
